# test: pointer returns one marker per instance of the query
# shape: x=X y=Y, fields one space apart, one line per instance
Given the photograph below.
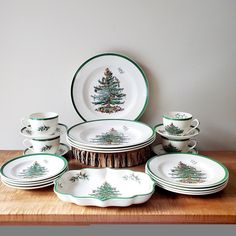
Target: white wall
x=186 y=47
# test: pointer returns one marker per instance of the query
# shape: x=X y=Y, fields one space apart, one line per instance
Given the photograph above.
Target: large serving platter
x=109 y=86
x=32 y=168
x=187 y=170
x=111 y=133
x=104 y=187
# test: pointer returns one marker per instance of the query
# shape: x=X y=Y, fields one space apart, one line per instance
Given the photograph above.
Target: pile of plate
x=187 y=173
x=33 y=171
x=110 y=136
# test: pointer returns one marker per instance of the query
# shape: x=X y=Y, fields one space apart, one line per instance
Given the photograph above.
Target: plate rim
x=110 y=54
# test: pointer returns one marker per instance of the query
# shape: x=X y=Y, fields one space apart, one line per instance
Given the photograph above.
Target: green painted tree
x=108 y=94
x=110 y=137
x=33 y=171
x=187 y=174
x=105 y=191
x=170 y=148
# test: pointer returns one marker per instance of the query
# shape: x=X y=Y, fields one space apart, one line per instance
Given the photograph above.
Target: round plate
x=109 y=86
x=27 y=132
x=110 y=133
x=62 y=150
x=160 y=130
x=33 y=167
x=117 y=150
x=187 y=170
x=158 y=149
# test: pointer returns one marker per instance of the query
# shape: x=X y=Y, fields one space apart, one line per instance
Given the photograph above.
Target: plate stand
x=113 y=160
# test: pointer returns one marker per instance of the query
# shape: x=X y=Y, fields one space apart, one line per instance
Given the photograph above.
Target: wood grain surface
x=35 y=207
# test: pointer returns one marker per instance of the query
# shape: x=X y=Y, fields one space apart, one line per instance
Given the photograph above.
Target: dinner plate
x=161 y=130
x=33 y=167
x=104 y=187
x=112 y=133
x=109 y=86
x=27 y=132
x=187 y=170
x=115 y=150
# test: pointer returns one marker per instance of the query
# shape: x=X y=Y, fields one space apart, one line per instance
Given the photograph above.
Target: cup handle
x=197 y=124
x=63 y=128
x=26 y=142
x=191 y=147
x=24 y=122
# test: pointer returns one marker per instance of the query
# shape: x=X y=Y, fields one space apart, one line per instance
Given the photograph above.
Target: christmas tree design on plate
x=187 y=174
x=33 y=171
x=105 y=191
x=170 y=148
x=173 y=130
x=112 y=137
x=108 y=94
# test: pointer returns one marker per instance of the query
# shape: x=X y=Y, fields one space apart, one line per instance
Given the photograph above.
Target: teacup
x=179 y=123
x=41 y=123
x=172 y=145
x=42 y=145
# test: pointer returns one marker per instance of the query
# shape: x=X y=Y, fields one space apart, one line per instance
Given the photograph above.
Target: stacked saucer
x=110 y=136
x=43 y=134
x=33 y=171
x=187 y=173
x=176 y=133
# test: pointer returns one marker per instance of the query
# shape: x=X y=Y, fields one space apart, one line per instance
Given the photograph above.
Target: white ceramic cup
x=179 y=123
x=41 y=123
x=42 y=145
x=185 y=145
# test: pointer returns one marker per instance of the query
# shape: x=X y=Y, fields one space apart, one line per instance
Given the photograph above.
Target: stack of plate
x=33 y=171
x=187 y=173
x=110 y=136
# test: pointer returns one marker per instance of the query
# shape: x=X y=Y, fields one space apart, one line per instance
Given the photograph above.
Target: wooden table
x=42 y=207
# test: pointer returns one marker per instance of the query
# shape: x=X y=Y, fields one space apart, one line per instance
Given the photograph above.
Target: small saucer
x=158 y=149
x=27 y=132
x=161 y=130
x=63 y=149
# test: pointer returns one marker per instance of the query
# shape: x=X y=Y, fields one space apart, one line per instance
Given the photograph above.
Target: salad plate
x=187 y=170
x=161 y=130
x=63 y=149
x=33 y=168
x=27 y=132
x=111 y=133
x=158 y=149
x=104 y=187
x=109 y=86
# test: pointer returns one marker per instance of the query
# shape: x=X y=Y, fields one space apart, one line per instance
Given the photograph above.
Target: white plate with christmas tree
x=109 y=86
x=104 y=187
x=161 y=130
x=112 y=133
x=110 y=150
x=187 y=170
x=33 y=168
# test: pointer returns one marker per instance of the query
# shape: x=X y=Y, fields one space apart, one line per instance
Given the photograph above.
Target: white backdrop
x=187 y=49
